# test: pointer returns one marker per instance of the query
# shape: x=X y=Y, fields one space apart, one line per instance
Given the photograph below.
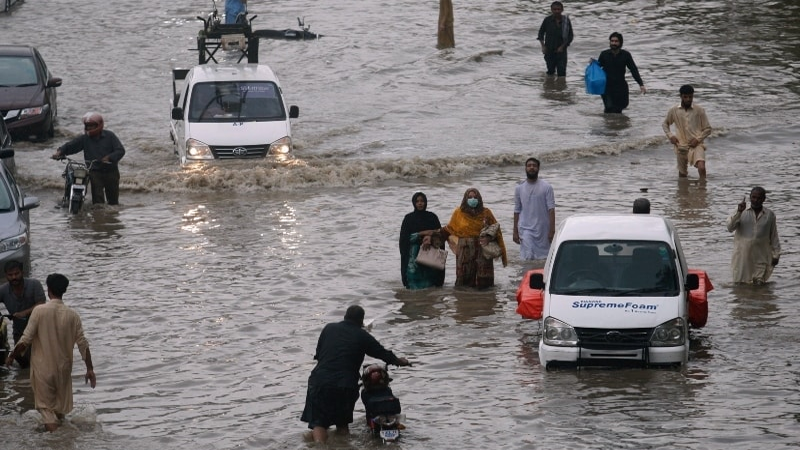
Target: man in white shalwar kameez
x=757 y=248
x=534 y=214
x=53 y=331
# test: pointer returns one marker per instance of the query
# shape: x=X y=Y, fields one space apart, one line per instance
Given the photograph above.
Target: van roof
x=639 y=227
x=238 y=72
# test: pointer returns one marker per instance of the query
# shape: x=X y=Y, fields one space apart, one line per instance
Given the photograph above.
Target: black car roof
x=15 y=50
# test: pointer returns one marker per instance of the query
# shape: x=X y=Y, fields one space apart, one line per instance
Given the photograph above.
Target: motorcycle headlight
x=281 y=147
x=558 y=333
x=198 y=150
x=13 y=243
x=669 y=334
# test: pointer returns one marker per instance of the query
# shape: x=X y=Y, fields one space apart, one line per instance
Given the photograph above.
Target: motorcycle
x=382 y=407
x=76 y=180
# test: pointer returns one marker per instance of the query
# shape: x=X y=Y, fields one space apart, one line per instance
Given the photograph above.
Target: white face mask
x=472 y=202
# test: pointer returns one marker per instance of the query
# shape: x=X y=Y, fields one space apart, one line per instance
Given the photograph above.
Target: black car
x=27 y=93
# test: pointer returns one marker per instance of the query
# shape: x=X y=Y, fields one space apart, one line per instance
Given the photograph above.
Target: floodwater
x=203 y=293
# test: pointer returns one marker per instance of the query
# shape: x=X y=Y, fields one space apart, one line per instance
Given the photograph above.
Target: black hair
x=355 y=314
x=12 y=264
x=641 y=206
x=534 y=160
x=686 y=89
x=556 y=4
x=618 y=36
x=57 y=284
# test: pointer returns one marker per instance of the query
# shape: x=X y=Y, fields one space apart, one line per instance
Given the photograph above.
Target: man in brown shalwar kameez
x=53 y=331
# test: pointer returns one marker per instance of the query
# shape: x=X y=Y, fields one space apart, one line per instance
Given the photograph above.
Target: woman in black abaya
x=419 y=227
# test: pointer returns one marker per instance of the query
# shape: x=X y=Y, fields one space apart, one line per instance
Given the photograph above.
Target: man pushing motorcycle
x=105 y=149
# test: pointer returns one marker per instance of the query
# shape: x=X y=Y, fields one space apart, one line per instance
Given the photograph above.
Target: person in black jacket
x=103 y=149
x=555 y=35
x=333 y=384
x=614 y=61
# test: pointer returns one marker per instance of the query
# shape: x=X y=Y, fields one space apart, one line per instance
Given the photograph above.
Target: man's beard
x=532 y=176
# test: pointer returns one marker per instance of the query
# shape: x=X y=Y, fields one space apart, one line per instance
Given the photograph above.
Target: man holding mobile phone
x=756 y=246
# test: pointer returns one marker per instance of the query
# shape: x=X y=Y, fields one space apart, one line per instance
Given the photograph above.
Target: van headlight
x=198 y=150
x=281 y=147
x=558 y=333
x=13 y=243
x=669 y=334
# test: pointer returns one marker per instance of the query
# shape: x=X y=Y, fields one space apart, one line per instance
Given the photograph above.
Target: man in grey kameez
x=53 y=331
x=757 y=248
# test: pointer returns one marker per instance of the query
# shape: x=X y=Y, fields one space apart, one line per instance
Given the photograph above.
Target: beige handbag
x=433 y=257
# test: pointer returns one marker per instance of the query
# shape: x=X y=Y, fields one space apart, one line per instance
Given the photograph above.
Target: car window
x=43 y=72
x=235 y=101
x=6 y=193
x=618 y=267
x=5 y=137
x=17 y=71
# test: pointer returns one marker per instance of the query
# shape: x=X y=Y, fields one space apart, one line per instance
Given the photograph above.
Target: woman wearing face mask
x=463 y=234
x=420 y=227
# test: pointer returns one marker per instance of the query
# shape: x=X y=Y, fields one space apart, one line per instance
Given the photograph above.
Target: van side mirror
x=177 y=113
x=692 y=282
x=294 y=112
x=536 y=281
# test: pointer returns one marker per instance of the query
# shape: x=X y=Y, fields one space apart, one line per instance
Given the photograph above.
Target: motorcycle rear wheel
x=75 y=205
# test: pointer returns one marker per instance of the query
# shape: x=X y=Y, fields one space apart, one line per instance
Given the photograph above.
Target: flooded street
x=204 y=292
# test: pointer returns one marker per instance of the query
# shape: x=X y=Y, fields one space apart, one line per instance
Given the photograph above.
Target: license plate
x=390 y=435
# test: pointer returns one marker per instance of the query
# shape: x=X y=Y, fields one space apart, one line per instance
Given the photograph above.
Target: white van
x=615 y=290
x=229 y=112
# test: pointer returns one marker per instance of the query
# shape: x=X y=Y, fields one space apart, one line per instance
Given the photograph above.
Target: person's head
x=532 y=168
x=557 y=8
x=641 y=206
x=420 y=201
x=615 y=41
x=757 y=197
x=355 y=314
x=56 y=285
x=472 y=201
x=687 y=95
x=13 y=270
x=92 y=124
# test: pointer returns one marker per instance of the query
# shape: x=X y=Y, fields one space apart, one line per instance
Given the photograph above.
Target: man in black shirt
x=555 y=35
x=333 y=384
x=105 y=149
x=20 y=295
x=614 y=61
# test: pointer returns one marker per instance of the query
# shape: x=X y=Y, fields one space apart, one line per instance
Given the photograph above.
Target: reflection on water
x=616 y=123
x=415 y=305
x=471 y=305
x=555 y=89
x=755 y=306
x=690 y=204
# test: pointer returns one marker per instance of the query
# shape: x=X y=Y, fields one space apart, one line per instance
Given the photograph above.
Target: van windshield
x=615 y=268
x=236 y=101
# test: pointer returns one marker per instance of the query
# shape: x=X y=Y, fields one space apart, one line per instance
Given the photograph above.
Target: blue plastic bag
x=595 y=79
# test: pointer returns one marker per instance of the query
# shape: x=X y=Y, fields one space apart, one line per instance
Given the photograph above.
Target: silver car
x=14 y=207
